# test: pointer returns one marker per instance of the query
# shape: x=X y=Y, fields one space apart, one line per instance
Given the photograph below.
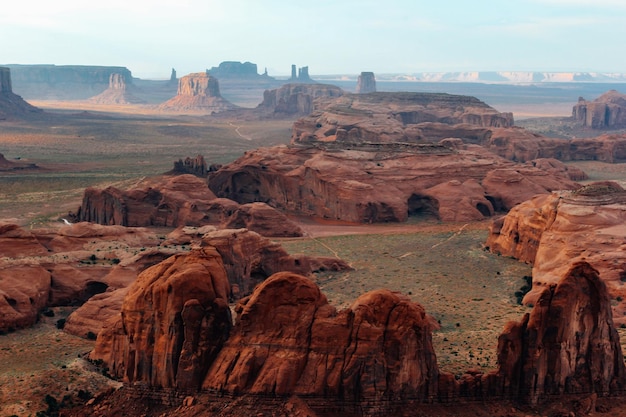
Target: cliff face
x=607 y=111
x=297 y=99
x=552 y=231
x=198 y=92
x=568 y=343
x=12 y=105
x=5 y=80
x=174 y=321
x=382 y=182
x=119 y=92
x=63 y=82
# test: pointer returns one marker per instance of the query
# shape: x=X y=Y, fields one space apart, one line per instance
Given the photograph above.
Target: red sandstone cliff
x=297 y=99
x=606 y=111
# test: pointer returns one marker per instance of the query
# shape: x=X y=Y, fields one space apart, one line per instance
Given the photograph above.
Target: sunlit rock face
x=606 y=111
x=198 y=92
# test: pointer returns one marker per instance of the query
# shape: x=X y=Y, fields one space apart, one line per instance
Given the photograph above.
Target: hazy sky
x=330 y=36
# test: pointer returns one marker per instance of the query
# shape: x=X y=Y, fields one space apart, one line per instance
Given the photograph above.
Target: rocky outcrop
x=6 y=165
x=567 y=344
x=398 y=117
x=303 y=75
x=12 y=105
x=552 y=231
x=63 y=82
x=174 y=321
x=120 y=91
x=198 y=92
x=380 y=182
x=380 y=348
x=296 y=99
x=24 y=292
x=366 y=83
x=196 y=166
x=605 y=112
x=249 y=259
x=182 y=200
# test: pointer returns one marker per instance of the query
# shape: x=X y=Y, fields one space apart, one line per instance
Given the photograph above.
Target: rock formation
x=63 y=82
x=249 y=259
x=12 y=105
x=236 y=70
x=198 y=92
x=174 y=321
x=566 y=345
x=296 y=99
x=303 y=75
x=366 y=83
x=195 y=166
x=552 y=231
x=6 y=165
x=400 y=117
x=369 y=182
x=120 y=91
x=375 y=356
x=182 y=200
x=605 y=112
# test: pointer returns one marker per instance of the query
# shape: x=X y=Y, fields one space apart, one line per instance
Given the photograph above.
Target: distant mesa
x=198 y=92
x=63 y=82
x=366 y=83
x=236 y=69
x=302 y=76
x=120 y=91
x=12 y=105
x=296 y=99
x=606 y=112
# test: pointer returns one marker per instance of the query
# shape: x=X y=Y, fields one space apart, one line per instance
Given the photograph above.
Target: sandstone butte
x=375 y=356
x=180 y=200
x=121 y=90
x=553 y=231
x=606 y=111
x=11 y=105
x=198 y=93
x=92 y=266
x=296 y=99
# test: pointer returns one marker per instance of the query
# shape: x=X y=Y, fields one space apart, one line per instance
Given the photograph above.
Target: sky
x=328 y=36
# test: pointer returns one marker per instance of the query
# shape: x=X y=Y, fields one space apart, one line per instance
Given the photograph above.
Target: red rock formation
x=606 y=111
x=120 y=91
x=198 y=92
x=296 y=99
x=250 y=258
x=195 y=166
x=174 y=321
x=380 y=348
x=183 y=200
x=568 y=343
x=396 y=117
x=17 y=242
x=552 y=231
x=24 y=292
x=380 y=182
x=366 y=83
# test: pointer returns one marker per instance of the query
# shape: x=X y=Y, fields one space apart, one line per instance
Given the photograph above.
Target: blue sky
x=330 y=36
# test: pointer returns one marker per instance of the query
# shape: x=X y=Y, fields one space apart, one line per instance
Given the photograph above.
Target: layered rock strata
x=296 y=99
x=552 y=231
x=198 y=92
x=380 y=182
x=182 y=200
x=605 y=112
x=120 y=91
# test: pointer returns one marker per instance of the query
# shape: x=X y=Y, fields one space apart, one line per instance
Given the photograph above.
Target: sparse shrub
x=519 y=294
x=93 y=257
x=115 y=261
x=48 y=313
x=60 y=324
x=91 y=335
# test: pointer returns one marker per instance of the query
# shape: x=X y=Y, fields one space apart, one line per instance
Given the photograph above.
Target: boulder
x=16 y=242
x=198 y=92
x=262 y=219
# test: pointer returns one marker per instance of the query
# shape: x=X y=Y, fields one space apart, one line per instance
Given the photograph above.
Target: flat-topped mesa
x=236 y=70
x=366 y=83
x=199 y=92
x=401 y=117
x=120 y=91
x=297 y=99
x=605 y=112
